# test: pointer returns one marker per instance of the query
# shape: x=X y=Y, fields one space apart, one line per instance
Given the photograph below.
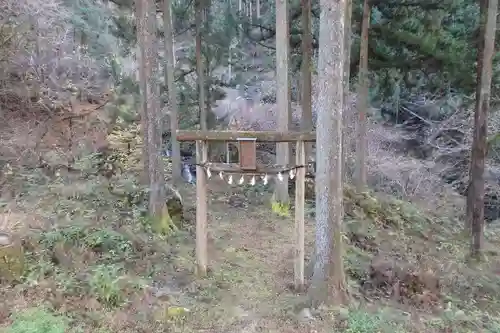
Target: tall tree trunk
x=479 y=150
x=361 y=144
x=230 y=58
x=207 y=12
x=157 y=195
x=150 y=94
x=240 y=13
x=172 y=90
x=141 y=39
x=199 y=66
x=282 y=95
x=307 y=122
x=250 y=12
x=207 y=57
x=328 y=281
x=347 y=117
x=257 y=5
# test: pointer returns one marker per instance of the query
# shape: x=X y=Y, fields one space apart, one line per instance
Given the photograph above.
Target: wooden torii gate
x=247 y=165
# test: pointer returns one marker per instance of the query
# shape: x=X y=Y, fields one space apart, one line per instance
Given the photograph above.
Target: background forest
x=83 y=253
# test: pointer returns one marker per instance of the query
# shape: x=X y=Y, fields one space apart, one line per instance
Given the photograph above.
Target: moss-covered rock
x=11 y=258
x=175 y=209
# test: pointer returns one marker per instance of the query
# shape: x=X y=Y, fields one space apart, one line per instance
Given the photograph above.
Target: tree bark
x=151 y=115
x=172 y=90
x=157 y=195
x=346 y=116
x=240 y=26
x=479 y=149
x=200 y=67
x=141 y=39
x=282 y=95
x=328 y=281
x=361 y=144
x=307 y=122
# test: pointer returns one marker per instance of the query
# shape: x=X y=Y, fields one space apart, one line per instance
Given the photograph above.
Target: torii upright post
x=300 y=197
x=201 y=208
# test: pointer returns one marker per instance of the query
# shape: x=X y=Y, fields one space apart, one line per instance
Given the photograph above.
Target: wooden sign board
x=248 y=153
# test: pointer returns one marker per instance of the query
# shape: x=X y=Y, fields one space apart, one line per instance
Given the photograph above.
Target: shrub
x=38 y=320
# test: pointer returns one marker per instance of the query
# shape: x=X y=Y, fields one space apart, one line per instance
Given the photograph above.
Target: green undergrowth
x=376 y=318
x=42 y=319
x=83 y=260
x=99 y=256
x=382 y=229
x=38 y=320
x=103 y=251
x=101 y=269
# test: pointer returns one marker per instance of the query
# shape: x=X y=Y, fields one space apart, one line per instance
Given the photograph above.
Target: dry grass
x=94 y=264
x=107 y=276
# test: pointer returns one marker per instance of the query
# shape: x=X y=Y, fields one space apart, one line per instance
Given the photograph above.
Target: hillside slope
x=407 y=269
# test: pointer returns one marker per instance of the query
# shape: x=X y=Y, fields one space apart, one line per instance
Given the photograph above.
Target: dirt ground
x=407 y=271
x=247 y=288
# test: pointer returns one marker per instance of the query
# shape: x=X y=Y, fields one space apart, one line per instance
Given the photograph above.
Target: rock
x=175 y=206
x=11 y=258
x=305 y=315
x=173 y=217
x=239 y=312
x=342 y=313
x=163 y=225
x=168 y=314
x=4 y=239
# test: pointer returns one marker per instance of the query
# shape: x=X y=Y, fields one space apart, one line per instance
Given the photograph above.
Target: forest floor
x=93 y=264
x=407 y=272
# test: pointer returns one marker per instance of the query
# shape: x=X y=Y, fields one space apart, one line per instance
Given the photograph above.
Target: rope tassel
x=280 y=177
